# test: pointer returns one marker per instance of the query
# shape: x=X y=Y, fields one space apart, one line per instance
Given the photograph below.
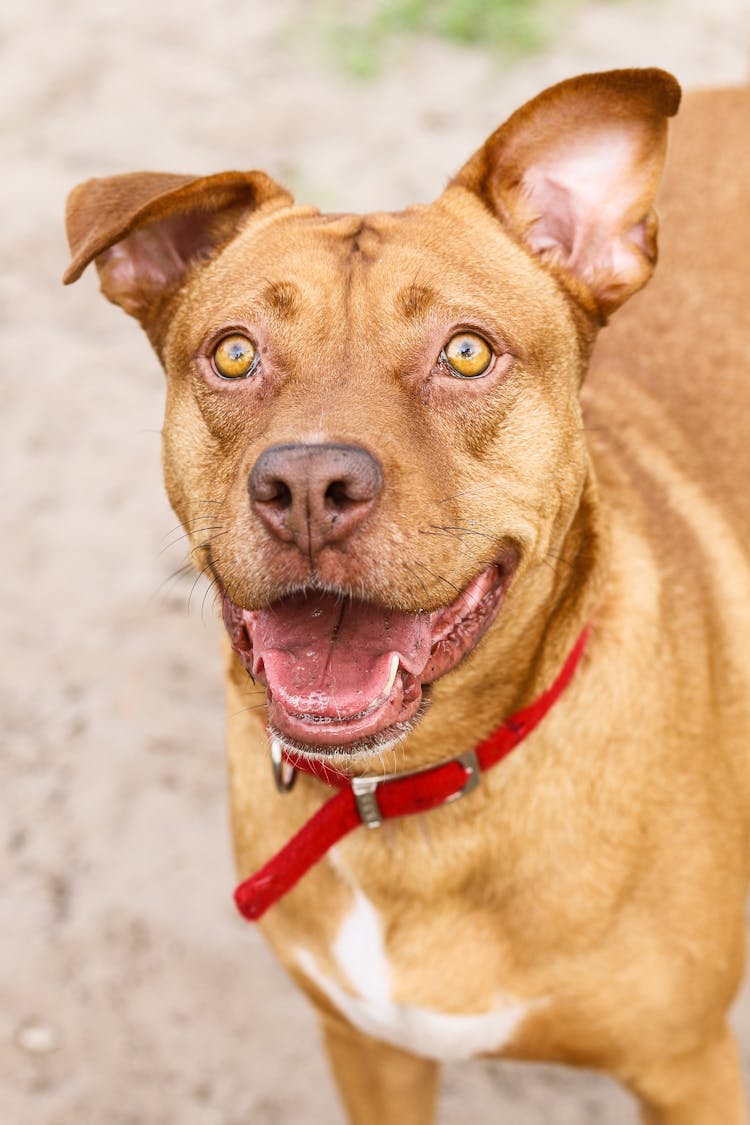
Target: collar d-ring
x=284 y=773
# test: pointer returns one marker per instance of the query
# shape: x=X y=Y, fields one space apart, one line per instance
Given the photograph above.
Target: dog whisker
x=200 y=576
x=181 y=572
x=187 y=535
x=456 y=532
x=213 y=586
x=439 y=577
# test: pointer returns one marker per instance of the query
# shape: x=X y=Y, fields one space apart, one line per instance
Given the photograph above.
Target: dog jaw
x=345 y=675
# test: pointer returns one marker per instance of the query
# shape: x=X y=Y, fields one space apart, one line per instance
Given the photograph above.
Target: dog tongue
x=323 y=656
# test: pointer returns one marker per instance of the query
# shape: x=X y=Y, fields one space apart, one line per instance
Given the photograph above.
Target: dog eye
x=467 y=355
x=234 y=357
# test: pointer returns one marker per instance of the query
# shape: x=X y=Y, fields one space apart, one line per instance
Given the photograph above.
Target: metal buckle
x=284 y=773
x=365 y=788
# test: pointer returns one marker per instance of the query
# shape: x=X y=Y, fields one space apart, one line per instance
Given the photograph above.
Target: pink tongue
x=323 y=656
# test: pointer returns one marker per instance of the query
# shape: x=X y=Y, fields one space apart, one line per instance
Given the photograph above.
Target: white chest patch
x=359 y=951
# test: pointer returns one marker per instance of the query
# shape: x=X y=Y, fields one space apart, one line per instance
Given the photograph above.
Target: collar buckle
x=365 y=788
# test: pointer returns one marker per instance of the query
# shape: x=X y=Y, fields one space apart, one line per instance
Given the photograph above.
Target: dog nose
x=313 y=495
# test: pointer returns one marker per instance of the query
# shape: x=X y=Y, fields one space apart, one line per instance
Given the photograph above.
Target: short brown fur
x=599 y=874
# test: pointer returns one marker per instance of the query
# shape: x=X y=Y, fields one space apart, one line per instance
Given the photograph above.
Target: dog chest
x=362 y=989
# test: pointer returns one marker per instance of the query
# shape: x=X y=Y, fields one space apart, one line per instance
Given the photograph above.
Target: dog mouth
x=342 y=674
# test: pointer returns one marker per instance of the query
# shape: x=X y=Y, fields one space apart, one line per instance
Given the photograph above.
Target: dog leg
x=378 y=1082
x=702 y=1088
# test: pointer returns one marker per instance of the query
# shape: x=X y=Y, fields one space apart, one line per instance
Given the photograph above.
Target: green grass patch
x=361 y=36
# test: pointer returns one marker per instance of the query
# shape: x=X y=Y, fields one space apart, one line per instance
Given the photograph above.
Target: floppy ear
x=573 y=175
x=146 y=228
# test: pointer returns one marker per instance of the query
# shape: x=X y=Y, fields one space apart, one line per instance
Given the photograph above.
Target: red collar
x=371 y=800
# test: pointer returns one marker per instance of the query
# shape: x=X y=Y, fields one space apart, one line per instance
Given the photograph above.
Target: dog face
x=372 y=428
x=473 y=475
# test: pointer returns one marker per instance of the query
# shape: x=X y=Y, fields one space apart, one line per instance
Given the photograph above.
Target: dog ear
x=573 y=175
x=145 y=229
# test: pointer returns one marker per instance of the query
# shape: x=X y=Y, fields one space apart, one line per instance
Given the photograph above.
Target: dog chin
x=358 y=750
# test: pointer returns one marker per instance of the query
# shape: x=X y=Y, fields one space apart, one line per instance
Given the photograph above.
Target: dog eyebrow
x=415 y=300
x=282 y=297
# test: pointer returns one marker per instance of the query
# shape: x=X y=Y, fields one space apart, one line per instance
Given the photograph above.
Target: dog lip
x=353 y=748
x=323 y=710
x=396 y=703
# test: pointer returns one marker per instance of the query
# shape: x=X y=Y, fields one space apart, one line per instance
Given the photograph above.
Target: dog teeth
x=393 y=672
x=387 y=688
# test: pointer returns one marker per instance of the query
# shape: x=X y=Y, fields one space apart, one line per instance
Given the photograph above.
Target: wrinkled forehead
x=425 y=262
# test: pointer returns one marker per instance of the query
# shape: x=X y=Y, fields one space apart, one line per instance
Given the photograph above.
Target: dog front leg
x=377 y=1082
x=702 y=1088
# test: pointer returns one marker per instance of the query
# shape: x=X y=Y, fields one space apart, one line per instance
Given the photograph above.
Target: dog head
x=375 y=420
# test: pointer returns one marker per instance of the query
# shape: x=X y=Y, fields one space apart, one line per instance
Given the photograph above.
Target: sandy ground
x=131 y=994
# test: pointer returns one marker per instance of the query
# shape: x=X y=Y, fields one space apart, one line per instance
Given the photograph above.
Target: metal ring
x=284 y=773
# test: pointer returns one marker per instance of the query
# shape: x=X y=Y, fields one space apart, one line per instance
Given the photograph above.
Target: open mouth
x=341 y=673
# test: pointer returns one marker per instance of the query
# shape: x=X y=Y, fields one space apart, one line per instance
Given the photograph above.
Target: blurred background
x=131 y=993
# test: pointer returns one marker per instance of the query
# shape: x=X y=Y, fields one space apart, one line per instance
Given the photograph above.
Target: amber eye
x=467 y=355
x=234 y=357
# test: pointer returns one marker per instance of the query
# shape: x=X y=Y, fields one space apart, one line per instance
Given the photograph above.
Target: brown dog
x=375 y=439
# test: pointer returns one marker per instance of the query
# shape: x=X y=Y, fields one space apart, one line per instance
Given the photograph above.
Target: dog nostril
x=272 y=491
x=279 y=494
x=337 y=496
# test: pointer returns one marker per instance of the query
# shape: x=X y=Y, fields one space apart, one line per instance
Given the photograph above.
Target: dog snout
x=314 y=494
